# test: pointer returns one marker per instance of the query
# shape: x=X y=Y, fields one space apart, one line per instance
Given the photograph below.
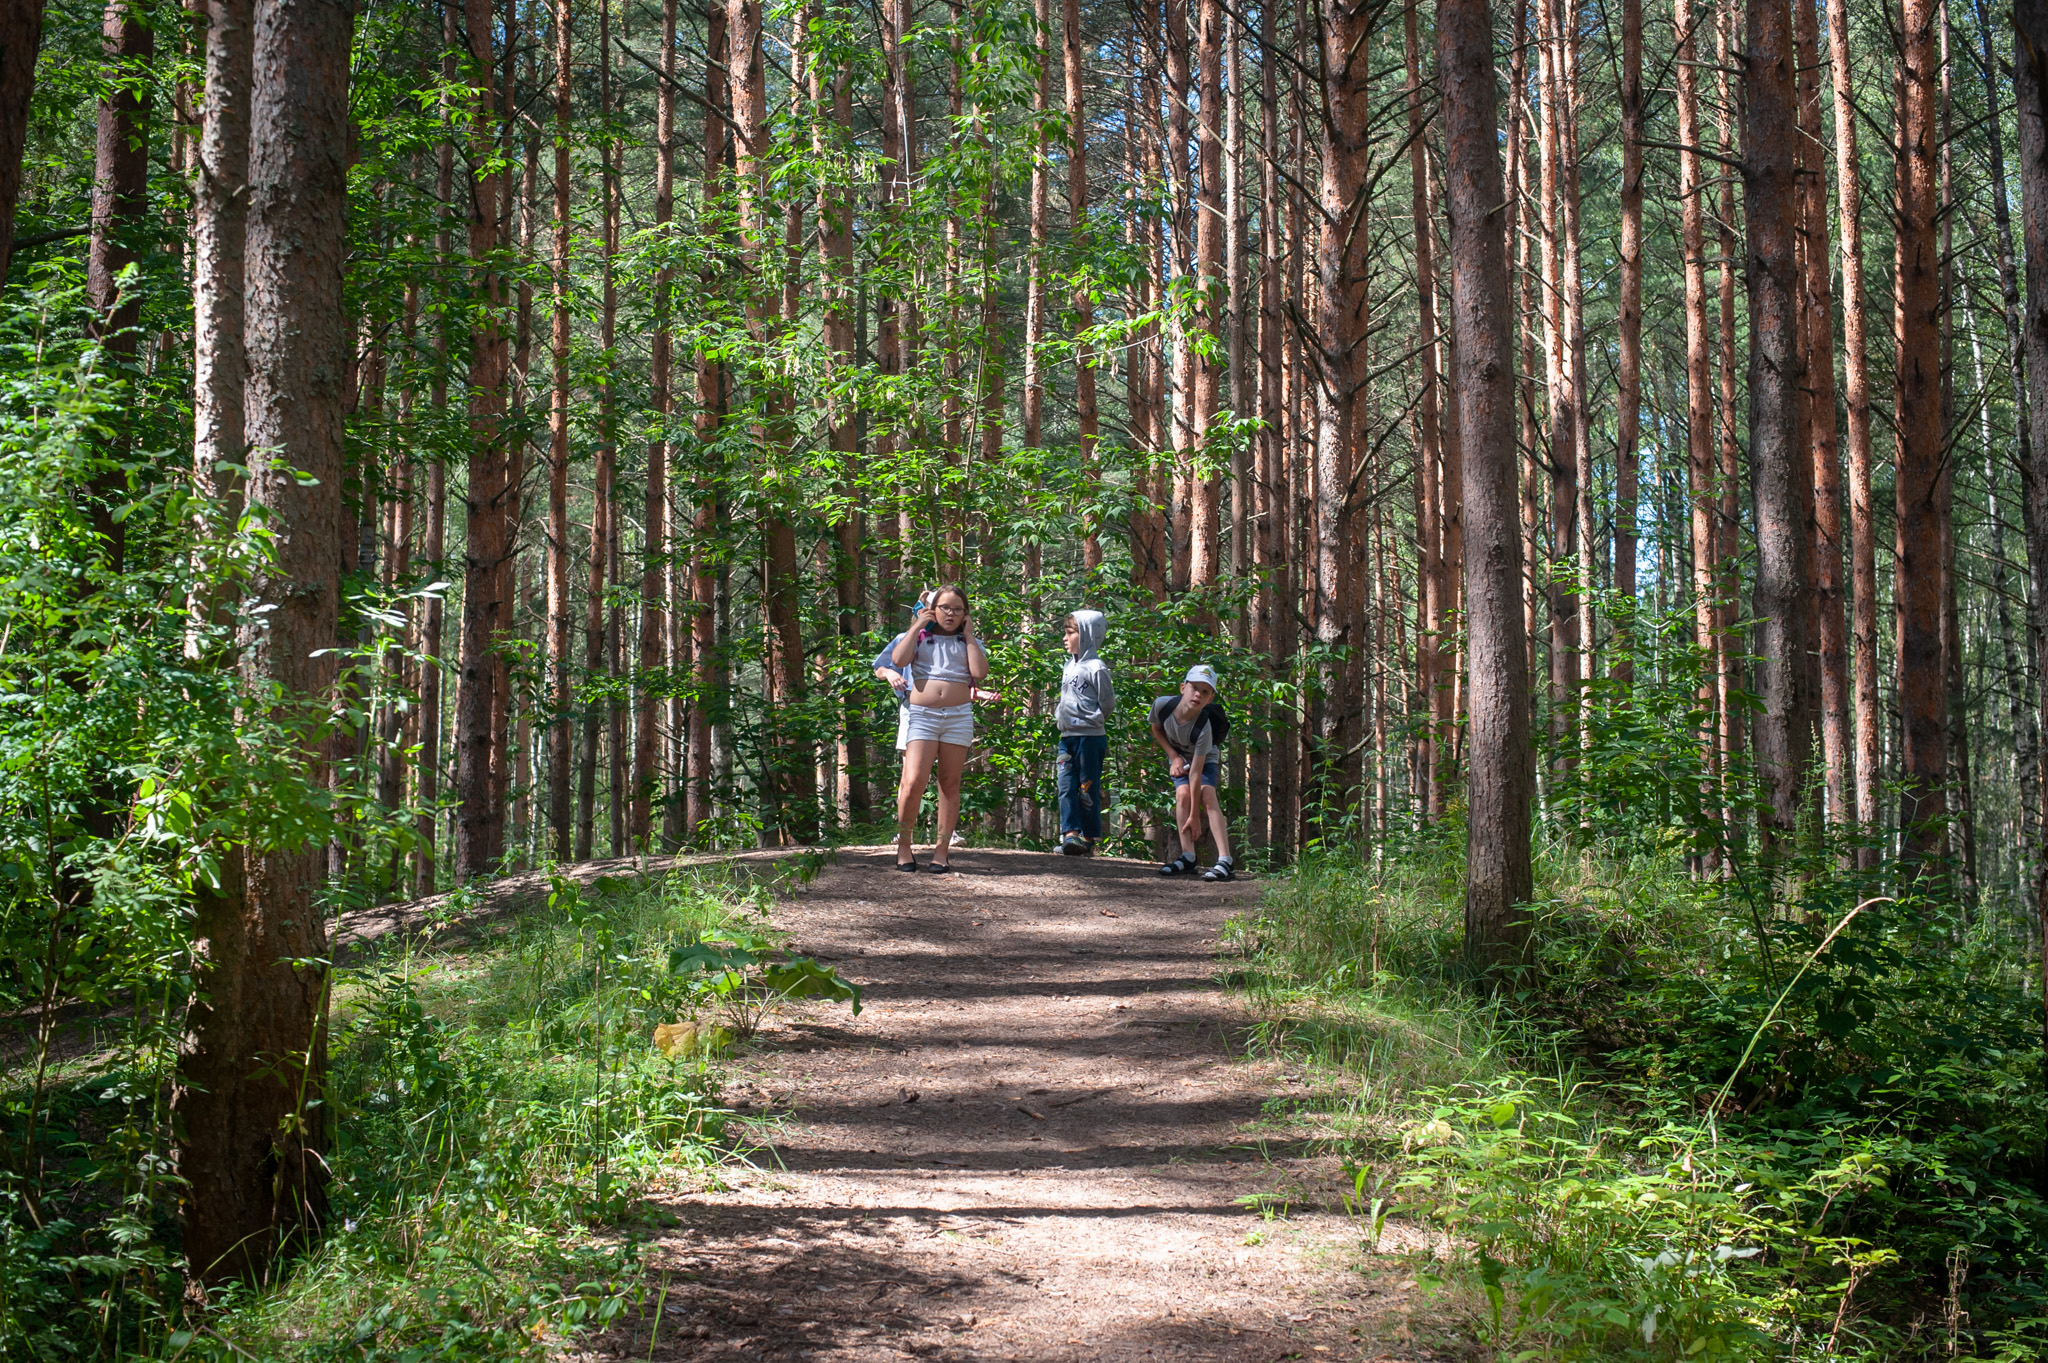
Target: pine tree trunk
x=1268 y=495
x=711 y=402
x=835 y=260
x=1628 y=383
x=2030 y=106
x=1087 y=418
x=489 y=502
x=21 y=38
x=1341 y=361
x=1782 y=488
x=653 y=614
x=560 y=606
x=1429 y=650
x=1206 y=368
x=1703 y=497
x=120 y=208
x=2025 y=722
x=1500 y=774
x=1856 y=404
x=219 y=218
x=791 y=791
x=1817 y=308
x=251 y=1060
x=1916 y=399
x=434 y=541
x=1561 y=434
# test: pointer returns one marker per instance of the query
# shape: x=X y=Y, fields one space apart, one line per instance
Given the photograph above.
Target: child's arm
x=1108 y=692
x=905 y=649
x=1175 y=764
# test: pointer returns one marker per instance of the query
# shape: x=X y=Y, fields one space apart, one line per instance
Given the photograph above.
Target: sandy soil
x=1041 y=1139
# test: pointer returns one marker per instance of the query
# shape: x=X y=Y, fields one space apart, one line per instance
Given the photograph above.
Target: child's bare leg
x=1219 y=827
x=1187 y=818
x=917 y=765
x=952 y=757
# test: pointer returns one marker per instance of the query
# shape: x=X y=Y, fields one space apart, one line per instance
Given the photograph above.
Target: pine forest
x=466 y=469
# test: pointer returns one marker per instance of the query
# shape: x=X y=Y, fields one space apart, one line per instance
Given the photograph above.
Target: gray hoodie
x=1086 y=697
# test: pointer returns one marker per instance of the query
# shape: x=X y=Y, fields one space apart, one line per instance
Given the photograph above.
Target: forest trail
x=1041 y=1139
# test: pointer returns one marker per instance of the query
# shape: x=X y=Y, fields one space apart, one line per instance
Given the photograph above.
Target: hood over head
x=1092 y=626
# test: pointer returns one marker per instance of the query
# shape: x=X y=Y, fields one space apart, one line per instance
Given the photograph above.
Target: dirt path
x=1039 y=1140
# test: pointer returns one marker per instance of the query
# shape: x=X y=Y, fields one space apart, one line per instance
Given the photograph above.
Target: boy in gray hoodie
x=1086 y=702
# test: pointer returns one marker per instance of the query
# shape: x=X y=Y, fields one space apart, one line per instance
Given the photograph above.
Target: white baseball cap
x=1203 y=673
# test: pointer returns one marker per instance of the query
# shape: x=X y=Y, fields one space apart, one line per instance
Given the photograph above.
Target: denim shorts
x=1210 y=769
x=940 y=723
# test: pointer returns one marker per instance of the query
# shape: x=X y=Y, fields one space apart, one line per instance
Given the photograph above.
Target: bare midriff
x=940 y=695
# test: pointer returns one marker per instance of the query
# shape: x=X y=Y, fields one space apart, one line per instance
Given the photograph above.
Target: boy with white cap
x=1189 y=728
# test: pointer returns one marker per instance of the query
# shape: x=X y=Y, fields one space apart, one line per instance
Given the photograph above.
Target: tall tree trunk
x=1699 y=373
x=434 y=540
x=1868 y=761
x=1818 y=329
x=1560 y=377
x=1923 y=711
x=1430 y=669
x=2030 y=107
x=1268 y=495
x=1782 y=477
x=1727 y=523
x=710 y=395
x=1342 y=317
x=1087 y=418
x=1628 y=396
x=120 y=206
x=792 y=795
x=219 y=224
x=490 y=498
x=251 y=1059
x=833 y=94
x=21 y=38
x=560 y=605
x=1500 y=775
x=1177 y=395
x=1207 y=366
x=653 y=616
x=2026 y=723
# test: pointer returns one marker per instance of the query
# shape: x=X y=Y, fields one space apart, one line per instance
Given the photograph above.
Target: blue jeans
x=1081 y=784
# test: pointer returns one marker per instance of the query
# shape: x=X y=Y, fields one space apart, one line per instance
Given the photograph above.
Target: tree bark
x=220 y=187
x=710 y=376
x=560 y=607
x=2026 y=723
x=2030 y=107
x=1628 y=396
x=1430 y=668
x=1342 y=319
x=1781 y=470
x=1206 y=369
x=1699 y=372
x=1817 y=321
x=21 y=38
x=1500 y=775
x=120 y=206
x=489 y=500
x=1923 y=709
x=792 y=792
x=250 y=1062
x=1856 y=402
x=1087 y=417
x=653 y=614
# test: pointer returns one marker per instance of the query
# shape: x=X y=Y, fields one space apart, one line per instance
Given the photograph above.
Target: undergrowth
x=499 y=1111
x=1611 y=1169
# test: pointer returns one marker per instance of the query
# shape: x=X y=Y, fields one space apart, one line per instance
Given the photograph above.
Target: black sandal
x=938 y=868
x=910 y=865
x=1182 y=865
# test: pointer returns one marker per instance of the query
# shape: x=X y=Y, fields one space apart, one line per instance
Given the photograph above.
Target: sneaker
x=1074 y=845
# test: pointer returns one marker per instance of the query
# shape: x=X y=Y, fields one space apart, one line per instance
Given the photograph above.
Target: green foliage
x=1615 y=1180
